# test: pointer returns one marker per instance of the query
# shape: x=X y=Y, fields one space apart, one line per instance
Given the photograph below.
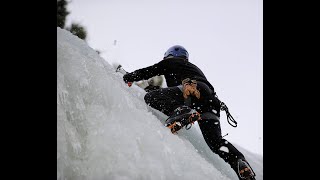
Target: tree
x=78 y=30
x=62 y=13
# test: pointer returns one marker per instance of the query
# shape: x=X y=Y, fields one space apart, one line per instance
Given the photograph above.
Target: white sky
x=223 y=38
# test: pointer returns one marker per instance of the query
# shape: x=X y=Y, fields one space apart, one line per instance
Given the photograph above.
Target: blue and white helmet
x=176 y=51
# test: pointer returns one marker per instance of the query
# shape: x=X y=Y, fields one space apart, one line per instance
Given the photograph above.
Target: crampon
x=245 y=171
x=183 y=116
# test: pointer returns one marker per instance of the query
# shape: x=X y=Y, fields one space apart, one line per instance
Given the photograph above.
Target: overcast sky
x=223 y=37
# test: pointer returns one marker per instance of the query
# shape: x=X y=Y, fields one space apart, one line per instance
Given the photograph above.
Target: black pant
x=167 y=99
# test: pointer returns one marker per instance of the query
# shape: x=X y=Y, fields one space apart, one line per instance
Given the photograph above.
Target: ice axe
x=122 y=71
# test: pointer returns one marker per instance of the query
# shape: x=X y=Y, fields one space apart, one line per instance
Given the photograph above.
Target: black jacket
x=174 y=69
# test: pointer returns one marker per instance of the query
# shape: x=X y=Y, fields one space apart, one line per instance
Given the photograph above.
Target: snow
x=106 y=131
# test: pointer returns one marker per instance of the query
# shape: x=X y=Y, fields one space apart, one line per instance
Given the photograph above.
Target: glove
x=127 y=78
x=190 y=88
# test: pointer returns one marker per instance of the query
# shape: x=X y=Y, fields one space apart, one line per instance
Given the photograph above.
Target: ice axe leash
x=229 y=116
x=223 y=107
